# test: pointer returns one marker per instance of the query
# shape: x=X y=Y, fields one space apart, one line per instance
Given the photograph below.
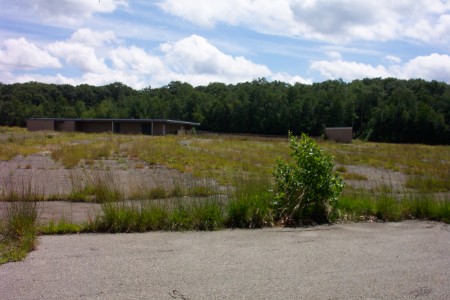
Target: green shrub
x=307 y=187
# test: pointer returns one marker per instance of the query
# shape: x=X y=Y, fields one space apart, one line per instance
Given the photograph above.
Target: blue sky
x=151 y=43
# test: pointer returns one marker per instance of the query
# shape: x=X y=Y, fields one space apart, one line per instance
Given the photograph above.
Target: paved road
x=405 y=260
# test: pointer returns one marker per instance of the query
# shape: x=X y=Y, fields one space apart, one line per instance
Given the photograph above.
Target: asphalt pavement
x=406 y=260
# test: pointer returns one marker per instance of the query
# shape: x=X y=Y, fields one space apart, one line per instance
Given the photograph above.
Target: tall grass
x=95 y=186
x=387 y=206
x=249 y=206
x=71 y=154
x=145 y=216
x=252 y=204
x=18 y=234
x=23 y=192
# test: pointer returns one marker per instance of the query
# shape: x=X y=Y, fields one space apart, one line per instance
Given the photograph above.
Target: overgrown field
x=382 y=182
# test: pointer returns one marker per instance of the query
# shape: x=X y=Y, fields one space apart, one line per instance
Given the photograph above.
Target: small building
x=339 y=134
x=124 y=126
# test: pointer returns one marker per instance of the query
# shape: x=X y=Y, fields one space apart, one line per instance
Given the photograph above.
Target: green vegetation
x=252 y=204
x=71 y=154
x=18 y=231
x=232 y=183
x=98 y=187
x=63 y=227
x=307 y=189
x=382 y=110
x=354 y=176
x=145 y=216
x=390 y=207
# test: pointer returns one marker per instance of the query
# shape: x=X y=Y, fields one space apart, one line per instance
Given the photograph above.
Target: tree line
x=386 y=110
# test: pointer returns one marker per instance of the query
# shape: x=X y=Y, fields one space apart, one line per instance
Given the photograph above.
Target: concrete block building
x=124 y=126
x=339 y=134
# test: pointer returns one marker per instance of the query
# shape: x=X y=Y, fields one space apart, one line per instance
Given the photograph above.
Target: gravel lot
x=407 y=260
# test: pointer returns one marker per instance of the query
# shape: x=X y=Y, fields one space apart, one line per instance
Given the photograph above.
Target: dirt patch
x=376 y=178
x=39 y=174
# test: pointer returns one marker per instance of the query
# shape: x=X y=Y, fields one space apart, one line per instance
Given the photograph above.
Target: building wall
x=66 y=125
x=94 y=127
x=130 y=127
x=35 y=125
x=339 y=134
x=173 y=128
x=124 y=126
x=158 y=128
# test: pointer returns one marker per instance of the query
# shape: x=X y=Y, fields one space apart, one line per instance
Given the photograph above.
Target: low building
x=339 y=134
x=124 y=126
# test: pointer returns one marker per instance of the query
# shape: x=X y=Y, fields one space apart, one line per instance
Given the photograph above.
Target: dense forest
x=388 y=110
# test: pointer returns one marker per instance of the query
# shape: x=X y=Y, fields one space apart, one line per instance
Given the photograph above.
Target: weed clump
x=18 y=233
x=252 y=204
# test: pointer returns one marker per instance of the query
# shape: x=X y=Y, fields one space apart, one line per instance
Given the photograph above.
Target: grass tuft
x=18 y=236
x=62 y=227
x=251 y=206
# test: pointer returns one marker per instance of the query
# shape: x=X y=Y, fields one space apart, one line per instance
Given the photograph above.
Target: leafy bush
x=307 y=187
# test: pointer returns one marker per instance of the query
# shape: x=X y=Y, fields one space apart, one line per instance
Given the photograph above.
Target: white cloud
x=348 y=70
x=20 y=54
x=78 y=55
x=57 y=79
x=89 y=37
x=393 y=59
x=431 y=67
x=81 y=50
x=69 y=12
x=135 y=59
x=345 y=20
x=284 y=77
x=195 y=60
x=334 y=55
x=100 y=59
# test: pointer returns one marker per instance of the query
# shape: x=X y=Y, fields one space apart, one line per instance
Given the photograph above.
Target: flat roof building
x=125 y=126
x=339 y=134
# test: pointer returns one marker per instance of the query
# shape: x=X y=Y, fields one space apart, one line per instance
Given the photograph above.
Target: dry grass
x=225 y=159
x=427 y=167
x=217 y=157
x=221 y=157
x=353 y=176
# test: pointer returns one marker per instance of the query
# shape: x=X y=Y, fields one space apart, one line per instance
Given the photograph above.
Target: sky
x=151 y=43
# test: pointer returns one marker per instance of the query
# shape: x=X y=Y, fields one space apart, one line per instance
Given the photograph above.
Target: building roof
x=167 y=121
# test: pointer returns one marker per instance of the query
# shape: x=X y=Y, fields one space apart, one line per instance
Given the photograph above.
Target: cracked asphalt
x=406 y=260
